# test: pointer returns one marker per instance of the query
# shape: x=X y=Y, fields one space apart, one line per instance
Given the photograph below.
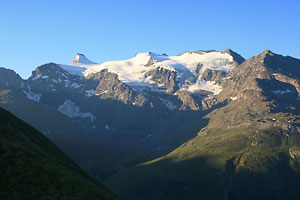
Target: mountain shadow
x=34 y=168
x=135 y=135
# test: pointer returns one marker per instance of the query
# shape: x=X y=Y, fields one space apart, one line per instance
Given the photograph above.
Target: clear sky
x=34 y=32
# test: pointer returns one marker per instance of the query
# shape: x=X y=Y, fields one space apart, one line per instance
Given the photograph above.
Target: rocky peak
x=260 y=58
x=10 y=78
x=284 y=65
x=236 y=57
x=149 y=58
x=267 y=52
x=81 y=59
x=275 y=63
x=52 y=70
x=266 y=75
x=197 y=52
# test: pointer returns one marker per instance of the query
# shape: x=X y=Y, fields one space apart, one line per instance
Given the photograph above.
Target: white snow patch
x=35 y=78
x=44 y=77
x=72 y=110
x=89 y=93
x=75 y=85
x=31 y=95
x=74 y=70
x=281 y=92
x=64 y=75
x=129 y=71
x=170 y=105
x=233 y=98
x=101 y=92
x=107 y=127
x=205 y=85
x=57 y=81
x=211 y=60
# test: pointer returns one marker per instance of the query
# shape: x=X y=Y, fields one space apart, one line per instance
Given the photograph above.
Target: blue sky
x=35 y=32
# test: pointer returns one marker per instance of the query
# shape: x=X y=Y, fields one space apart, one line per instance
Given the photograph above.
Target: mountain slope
x=250 y=148
x=120 y=112
x=202 y=124
x=33 y=168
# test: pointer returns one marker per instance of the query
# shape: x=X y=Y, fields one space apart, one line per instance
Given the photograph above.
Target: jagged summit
x=267 y=52
x=237 y=57
x=197 y=52
x=81 y=59
x=149 y=58
x=140 y=71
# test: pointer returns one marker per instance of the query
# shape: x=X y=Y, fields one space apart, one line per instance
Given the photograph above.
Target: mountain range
x=199 y=125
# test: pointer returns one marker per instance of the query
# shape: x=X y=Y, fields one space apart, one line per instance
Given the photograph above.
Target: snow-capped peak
x=188 y=66
x=148 y=58
x=78 y=65
x=80 y=59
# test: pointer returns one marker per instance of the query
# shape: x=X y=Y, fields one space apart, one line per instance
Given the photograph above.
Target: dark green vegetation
x=34 y=168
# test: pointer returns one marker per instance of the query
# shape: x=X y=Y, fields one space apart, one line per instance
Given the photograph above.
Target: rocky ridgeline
x=267 y=74
x=148 y=116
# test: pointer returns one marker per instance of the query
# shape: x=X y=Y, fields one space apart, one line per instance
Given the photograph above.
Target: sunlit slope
x=236 y=156
x=249 y=149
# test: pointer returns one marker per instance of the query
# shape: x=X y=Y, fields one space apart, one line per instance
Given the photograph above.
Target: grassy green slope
x=34 y=168
x=245 y=152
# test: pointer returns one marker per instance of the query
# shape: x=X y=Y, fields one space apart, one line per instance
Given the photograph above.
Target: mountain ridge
x=247 y=146
x=247 y=111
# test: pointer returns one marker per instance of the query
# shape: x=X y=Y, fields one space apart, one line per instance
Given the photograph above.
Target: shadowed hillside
x=34 y=168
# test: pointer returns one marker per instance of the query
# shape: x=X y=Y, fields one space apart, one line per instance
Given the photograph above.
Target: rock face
x=164 y=78
x=188 y=101
x=9 y=78
x=110 y=87
x=238 y=59
x=213 y=75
